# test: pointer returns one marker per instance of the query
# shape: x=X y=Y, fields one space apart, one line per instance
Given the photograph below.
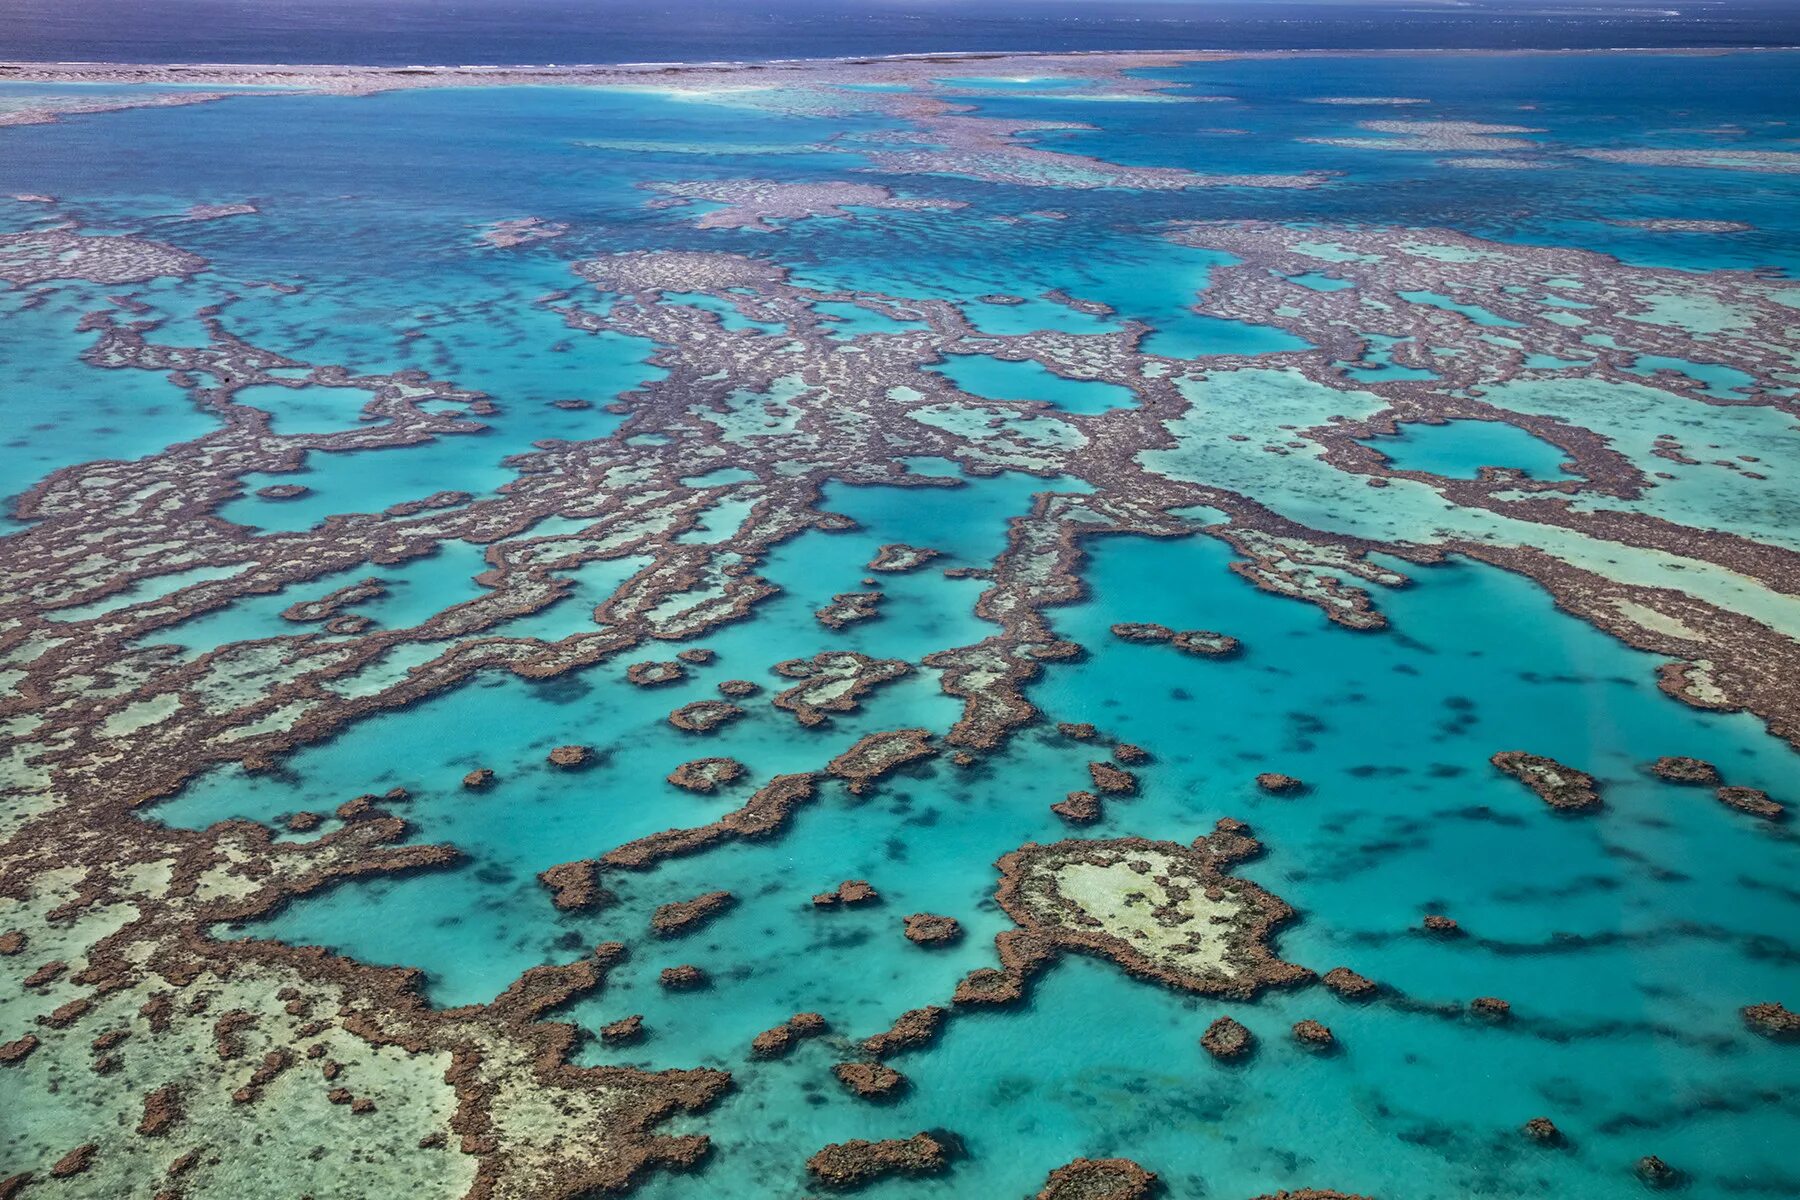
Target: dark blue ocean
x=394 y=32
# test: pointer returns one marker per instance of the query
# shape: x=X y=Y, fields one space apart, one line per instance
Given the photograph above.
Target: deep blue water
x=392 y=32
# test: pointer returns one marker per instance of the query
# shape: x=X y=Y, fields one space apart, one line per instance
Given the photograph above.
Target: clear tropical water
x=1626 y=944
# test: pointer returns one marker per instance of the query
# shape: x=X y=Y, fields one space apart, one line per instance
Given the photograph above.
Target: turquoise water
x=1626 y=942
x=997 y=379
x=1459 y=449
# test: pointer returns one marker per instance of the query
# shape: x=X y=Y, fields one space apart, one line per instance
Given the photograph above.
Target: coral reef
x=1562 y=788
x=683 y=978
x=1773 y=1021
x=1751 y=801
x=1160 y=910
x=1227 y=1039
x=683 y=916
x=1078 y=808
x=850 y=891
x=1543 y=1131
x=931 y=929
x=1098 y=1179
x=1656 y=1173
x=857 y=1163
x=875 y=754
x=914 y=1027
x=655 y=674
x=1313 y=1034
x=706 y=775
x=834 y=681
x=871 y=1081
x=1108 y=778
x=897 y=557
x=1195 y=641
x=704 y=716
x=1680 y=769
x=846 y=608
x=778 y=1040
x=625 y=1029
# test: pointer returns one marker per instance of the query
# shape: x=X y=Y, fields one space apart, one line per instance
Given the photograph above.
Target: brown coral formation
x=624 y=1030
x=478 y=779
x=1542 y=1130
x=1562 y=788
x=573 y=887
x=875 y=754
x=869 y=1080
x=1193 y=641
x=1108 y=778
x=684 y=916
x=706 y=775
x=704 y=716
x=858 y=1163
x=932 y=929
x=683 y=978
x=283 y=491
x=1160 y=910
x=1442 y=926
x=847 y=608
x=834 y=681
x=1751 y=801
x=1773 y=1020
x=570 y=757
x=1681 y=769
x=777 y=1041
x=764 y=813
x=898 y=557
x=335 y=603
x=655 y=674
x=1349 y=984
x=1098 y=1179
x=849 y=892
x=162 y=1111
x=1078 y=808
x=1313 y=1034
x=1226 y=1039
x=1491 y=1007
x=1278 y=784
x=912 y=1028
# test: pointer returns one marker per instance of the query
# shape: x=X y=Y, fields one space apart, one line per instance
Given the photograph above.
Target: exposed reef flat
x=1561 y=787
x=1098 y=1179
x=1160 y=910
x=856 y=1164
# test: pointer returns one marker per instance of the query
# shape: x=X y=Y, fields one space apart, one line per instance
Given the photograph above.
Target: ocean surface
x=400 y=32
x=1626 y=942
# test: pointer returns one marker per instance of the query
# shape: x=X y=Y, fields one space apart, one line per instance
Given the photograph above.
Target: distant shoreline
x=202 y=83
x=873 y=68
